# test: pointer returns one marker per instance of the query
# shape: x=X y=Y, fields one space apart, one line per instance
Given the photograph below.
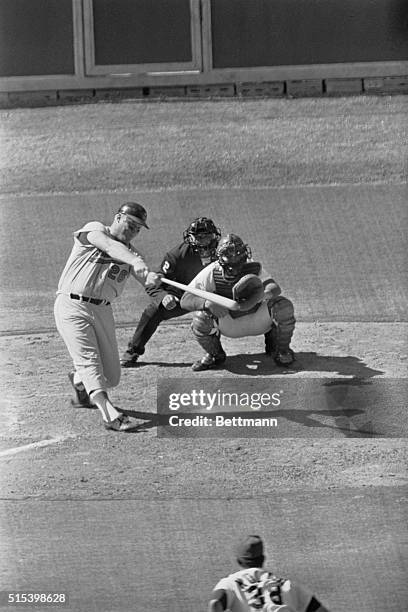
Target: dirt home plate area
x=147 y=521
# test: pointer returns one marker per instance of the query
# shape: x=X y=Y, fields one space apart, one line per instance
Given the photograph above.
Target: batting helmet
x=136 y=211
x=203 y=236
x=232 y=253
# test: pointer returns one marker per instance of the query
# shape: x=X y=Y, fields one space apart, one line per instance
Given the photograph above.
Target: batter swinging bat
x=207 y=295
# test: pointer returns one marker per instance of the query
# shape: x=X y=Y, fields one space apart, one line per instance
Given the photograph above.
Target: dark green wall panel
x=249 y=33
x=142 y=31
x=36 y=37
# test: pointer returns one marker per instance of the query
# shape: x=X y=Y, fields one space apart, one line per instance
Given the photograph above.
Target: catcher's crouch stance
x=263 y=310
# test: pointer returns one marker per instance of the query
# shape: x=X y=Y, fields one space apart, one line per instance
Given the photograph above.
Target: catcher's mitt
x=248 y=291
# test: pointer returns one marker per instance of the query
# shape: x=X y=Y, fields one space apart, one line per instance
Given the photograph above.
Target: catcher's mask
x=203 y=236
x=232 y=253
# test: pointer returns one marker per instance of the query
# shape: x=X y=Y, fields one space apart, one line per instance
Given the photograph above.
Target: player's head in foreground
x=128 y=222
x=232 y=253
x=250 y=552
x=203 y=235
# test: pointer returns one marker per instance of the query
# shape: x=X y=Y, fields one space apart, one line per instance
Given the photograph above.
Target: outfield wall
x=56 y=51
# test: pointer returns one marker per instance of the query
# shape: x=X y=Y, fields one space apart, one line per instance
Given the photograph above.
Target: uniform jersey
x=206 y=278
x=93 y=273
x=257 y=590
x=180 y=264
x=251 y=323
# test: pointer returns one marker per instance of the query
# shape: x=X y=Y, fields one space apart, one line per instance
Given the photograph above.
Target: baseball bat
x=207 y=295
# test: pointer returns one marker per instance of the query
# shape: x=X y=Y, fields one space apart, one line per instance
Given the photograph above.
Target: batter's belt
x=84 y=298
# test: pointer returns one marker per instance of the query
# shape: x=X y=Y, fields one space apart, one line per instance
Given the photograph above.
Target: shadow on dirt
x=348 y=422
x=346 y=406
x=160 y=364
x=343 y=405
x=260 y=364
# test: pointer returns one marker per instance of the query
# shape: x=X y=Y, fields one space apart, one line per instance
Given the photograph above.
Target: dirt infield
x=312 y=450
x=317 y=187
x=330 y=505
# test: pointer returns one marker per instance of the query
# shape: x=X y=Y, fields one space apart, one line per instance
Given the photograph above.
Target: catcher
x=262 y=308
x=254 y=589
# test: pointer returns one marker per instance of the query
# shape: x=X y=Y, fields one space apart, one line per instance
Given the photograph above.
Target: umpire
x=181 y=264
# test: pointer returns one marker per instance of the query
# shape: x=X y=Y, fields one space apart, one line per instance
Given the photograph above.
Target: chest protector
x=224 y=287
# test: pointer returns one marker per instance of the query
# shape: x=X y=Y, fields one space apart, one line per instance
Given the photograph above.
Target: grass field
x=144 y=523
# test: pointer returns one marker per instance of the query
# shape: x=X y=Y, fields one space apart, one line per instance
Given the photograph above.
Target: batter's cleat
x=209 y=361
x=129 y=358
x=284 y=358
x=81 y=398
x=122 y=423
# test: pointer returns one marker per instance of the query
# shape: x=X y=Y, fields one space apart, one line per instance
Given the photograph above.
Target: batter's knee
x=203 y=324
x=283 y=312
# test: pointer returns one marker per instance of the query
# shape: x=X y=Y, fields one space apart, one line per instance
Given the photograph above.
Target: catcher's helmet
x=203 y=236
x=232 y=253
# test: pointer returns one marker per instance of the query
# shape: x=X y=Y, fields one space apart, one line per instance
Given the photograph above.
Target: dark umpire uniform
x=182 y=264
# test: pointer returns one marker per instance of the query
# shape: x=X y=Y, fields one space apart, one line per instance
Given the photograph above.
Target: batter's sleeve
x=92 y=226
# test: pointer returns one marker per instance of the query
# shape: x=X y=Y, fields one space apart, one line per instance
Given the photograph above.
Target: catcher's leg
x=277 y=340
x=208 y=337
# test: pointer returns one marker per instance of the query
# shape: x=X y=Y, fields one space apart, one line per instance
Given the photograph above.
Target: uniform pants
x=277 y=315
x=150 y=320
x=88 y=331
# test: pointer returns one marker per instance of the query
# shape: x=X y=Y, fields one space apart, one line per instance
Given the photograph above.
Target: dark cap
x=249 y=549
x=135 y=210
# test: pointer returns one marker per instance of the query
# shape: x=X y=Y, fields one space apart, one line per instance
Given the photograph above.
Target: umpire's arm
x=168 y=270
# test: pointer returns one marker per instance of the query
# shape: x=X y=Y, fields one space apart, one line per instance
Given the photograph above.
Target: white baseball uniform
x=249 y=590
x=88 y=327
x=251 y=324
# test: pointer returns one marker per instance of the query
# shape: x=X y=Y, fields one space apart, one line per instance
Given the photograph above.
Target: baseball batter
x=254 y=589
x=101 y=261
x=263 y=310
x=182 y=263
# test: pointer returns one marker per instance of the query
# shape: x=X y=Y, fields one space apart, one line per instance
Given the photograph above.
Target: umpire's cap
x=135 y=210
x=250 y=549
